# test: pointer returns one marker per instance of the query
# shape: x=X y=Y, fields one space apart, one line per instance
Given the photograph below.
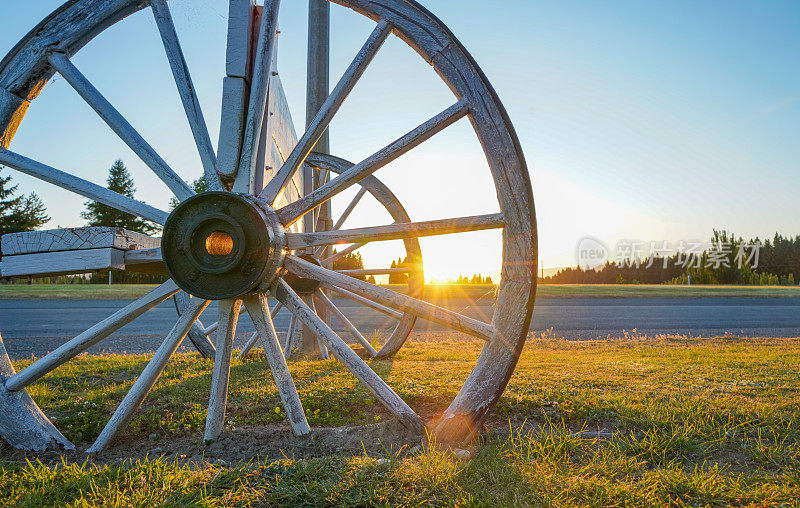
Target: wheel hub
x=219 y=245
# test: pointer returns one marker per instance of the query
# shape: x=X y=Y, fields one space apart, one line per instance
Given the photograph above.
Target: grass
x=689 y=422
x=432 y=292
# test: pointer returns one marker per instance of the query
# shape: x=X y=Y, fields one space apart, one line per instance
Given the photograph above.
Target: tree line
x=727 y=260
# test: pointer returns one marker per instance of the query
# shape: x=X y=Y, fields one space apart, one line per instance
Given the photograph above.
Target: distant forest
x=726 y=259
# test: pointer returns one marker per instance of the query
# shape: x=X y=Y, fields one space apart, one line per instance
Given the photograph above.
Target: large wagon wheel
x=235 y=247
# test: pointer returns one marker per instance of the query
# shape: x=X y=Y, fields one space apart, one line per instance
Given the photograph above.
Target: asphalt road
x=34 y=327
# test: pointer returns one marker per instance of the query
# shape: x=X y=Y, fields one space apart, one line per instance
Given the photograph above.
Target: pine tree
x=21 y=213
x=98 y=214
x=199 y=186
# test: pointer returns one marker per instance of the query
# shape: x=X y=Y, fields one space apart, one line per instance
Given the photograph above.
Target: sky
x=644 y=121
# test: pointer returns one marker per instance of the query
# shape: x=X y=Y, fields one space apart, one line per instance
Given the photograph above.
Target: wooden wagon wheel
x=235 y=247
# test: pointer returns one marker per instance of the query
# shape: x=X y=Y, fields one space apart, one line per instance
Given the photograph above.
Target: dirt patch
x=242 y=445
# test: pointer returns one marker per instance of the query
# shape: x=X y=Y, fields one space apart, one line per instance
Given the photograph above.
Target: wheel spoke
x=260 y=315
x=329 y=260
x=90 y=337
x=327 y=111
x=349 y=209
x=395 y=231
x=392 y=299
x=214 y=326
x=196 y=334
x=290 y=332
x=346 y=322
x=365 y=301
x=144 y=383
x=293 y=211
x=349 y=359
x=228 y=316
x=251 y=342
x=81 y=187
x=191 y=103
x=119 y=125
x=262 y=71
x=377 y=271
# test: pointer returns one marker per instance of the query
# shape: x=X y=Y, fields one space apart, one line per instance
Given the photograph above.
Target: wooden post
x=317 y=90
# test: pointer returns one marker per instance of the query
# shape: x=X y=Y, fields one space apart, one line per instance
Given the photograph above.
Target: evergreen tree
x=21 y=213
x=98 y=214
x=199 y=186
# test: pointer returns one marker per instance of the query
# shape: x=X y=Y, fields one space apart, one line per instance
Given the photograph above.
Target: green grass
x=432 y=292
x=694 y=423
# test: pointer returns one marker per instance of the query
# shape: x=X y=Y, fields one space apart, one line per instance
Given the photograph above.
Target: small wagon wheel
x=235 y=247
x=415 y=274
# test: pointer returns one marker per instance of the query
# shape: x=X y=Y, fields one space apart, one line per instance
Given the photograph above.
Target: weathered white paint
x=260 y=315
x=240 y=37
x=253 y=340
x=90 y=337
x=66 y=262
x=231 y=129
x=196 y=333
x=228 y=317
x=93 y=237
x=120 y=125
x=147 y=379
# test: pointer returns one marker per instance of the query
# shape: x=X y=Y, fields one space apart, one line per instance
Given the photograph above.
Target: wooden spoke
x=260 y=315
x=392 y=299
x=377 y=271
x=327 y=111
x=144 y=383
x=395 y=231
x=365 y=301
x=183 y=81
x=346 y=322
x=292 y=212
x=91 y=337
x=349 y=209
x=262 y=70
x=196 y=334
x=251 y=342
x=228 y=316
x=349 y=359
x=119 y=125
x=81 y=187
x=290 y=332
x=214 y=326
x=329 y=260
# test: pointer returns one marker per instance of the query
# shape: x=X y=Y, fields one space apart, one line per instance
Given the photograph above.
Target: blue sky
x=639 y=120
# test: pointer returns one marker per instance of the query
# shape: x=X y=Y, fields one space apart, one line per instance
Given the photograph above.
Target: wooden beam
x=67 y=262
x=93 y=237
x=228 y=311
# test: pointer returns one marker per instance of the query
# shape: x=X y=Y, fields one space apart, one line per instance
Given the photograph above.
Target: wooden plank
x=240 y=37
x=231 y=128
x=93 y=237
x=260 y=315
x=67 y=262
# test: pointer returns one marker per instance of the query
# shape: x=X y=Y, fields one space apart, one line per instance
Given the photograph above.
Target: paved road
x=34 y=327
